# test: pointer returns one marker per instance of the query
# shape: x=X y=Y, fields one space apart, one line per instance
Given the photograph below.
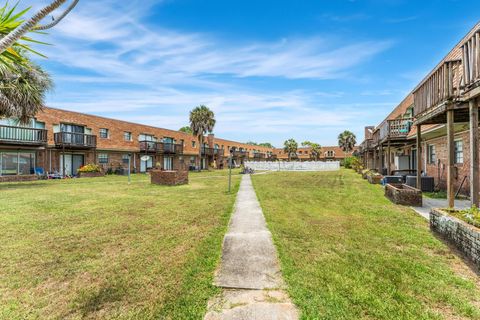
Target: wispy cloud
x=116 y=63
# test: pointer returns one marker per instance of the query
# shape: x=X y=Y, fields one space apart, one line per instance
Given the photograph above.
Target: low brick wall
x=403 y=195
x=18 y=178
x=169 y=178
x=462 y=235
x=91 y=174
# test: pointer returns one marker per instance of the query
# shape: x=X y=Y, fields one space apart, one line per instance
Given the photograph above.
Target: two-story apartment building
x=60 y=141
x=434 y=131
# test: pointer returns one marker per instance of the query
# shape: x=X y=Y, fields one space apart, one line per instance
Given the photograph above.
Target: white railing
x=293 y=166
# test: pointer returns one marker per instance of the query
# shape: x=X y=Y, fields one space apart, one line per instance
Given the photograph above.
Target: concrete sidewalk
x=249 y=272
x=429 y=203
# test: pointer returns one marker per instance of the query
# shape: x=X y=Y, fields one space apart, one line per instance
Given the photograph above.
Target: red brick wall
x=117 y=128
x=461 y=170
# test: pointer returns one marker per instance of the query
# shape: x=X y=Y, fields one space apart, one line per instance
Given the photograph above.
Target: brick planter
x=21 y=178
x=403 y=195
x=374 y=179
x=169 y=178
x=462 y=235
x=91 y=174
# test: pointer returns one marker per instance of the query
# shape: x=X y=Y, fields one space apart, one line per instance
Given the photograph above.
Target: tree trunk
x=200 y=142
x=28 y=25
x=60 y=17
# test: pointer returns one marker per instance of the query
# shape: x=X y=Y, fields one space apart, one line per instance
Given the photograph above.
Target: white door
x=68 y=164
x=144 y=165
x=168 y=163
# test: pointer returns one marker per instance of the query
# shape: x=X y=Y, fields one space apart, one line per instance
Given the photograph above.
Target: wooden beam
x=450 y=158
x=474 y=174
x=419 y=157
x=380 y=159
x=388 y=158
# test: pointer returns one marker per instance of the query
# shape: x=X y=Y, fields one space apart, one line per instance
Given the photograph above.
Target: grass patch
x=101 y=249
x=436 y=195
x=348 y=253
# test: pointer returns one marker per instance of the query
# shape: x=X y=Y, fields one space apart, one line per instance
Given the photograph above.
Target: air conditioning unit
x=428 y=183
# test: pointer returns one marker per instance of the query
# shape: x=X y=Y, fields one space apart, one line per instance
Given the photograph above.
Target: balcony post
x=389 y=150
x=474 y=174
x=450 y=158
x=419 y=157
x=380 y=158
x=374 y=158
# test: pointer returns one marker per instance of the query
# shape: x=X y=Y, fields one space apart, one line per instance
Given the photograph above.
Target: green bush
x=352 y=163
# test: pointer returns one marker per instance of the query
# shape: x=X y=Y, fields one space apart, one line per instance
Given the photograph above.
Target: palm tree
x=290 y=147
x=315 y=149
x=22 y=91
x=12 y=33
x=347 y=141
x=202 y=120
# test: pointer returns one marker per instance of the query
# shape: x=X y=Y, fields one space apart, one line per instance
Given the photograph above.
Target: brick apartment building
x=62 y=141
x=432 y=130
x=329 y=153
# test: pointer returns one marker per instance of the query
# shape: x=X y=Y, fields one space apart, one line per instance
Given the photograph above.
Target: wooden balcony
x=213 y=152
x=394 y=130
x=22 y=136
x=160 y=147
x=73 y=140
x=441 y=87
x=239 y=154
x=259 y=156
x=471 y=63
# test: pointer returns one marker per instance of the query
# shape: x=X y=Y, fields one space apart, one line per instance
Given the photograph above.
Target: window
x=103 y=158
x=146 y=137
x=330 y=154
x=127 y=136
x=17 y=163
x=432 y=156
x=459 y=151
x=193 y=144
x=103 y=133
x=125 y=158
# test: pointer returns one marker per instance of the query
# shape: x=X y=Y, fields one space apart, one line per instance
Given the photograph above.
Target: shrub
x=352 y=163
x=90 y=168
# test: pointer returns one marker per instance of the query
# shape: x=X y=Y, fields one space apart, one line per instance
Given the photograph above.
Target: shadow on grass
x=453 y=250
x=93 y=301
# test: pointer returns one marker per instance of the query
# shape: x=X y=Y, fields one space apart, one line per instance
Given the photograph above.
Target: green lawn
x=348 y=253
x=102 y=249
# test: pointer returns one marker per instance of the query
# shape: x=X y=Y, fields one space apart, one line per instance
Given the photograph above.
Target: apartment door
x=168 y=163
x=168 y=144
x=72 y=138
x=146 y=164
x=73 y=162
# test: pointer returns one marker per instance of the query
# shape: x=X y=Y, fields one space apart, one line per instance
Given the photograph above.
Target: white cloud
x=127 y=68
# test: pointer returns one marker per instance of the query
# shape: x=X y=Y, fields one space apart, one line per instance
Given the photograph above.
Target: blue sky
x=270 y=70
